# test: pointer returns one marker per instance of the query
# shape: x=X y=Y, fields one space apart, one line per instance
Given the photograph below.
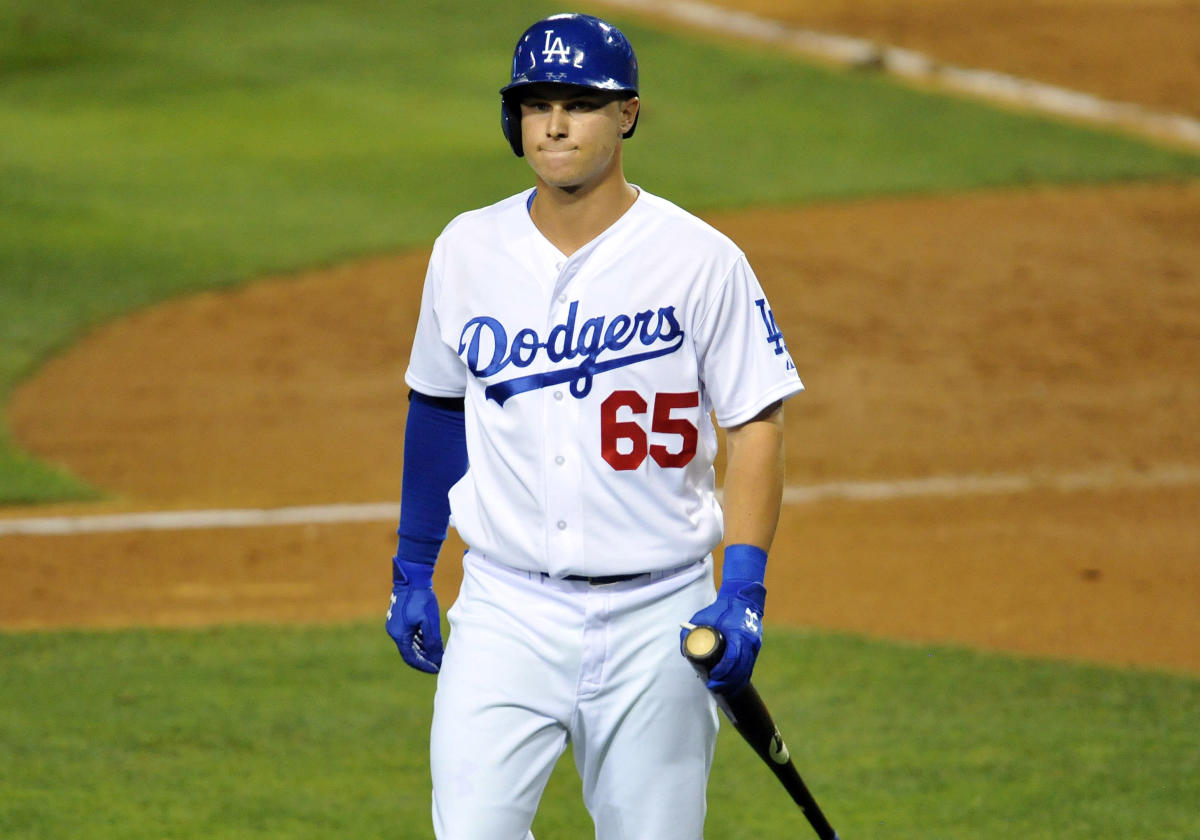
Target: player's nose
x=558 y=123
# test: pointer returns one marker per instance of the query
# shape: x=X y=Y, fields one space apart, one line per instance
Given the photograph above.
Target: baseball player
x=575 y=342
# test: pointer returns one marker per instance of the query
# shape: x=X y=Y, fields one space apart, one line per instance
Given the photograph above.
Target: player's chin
x=558 y=169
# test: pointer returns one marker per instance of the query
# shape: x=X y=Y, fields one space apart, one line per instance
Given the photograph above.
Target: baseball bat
x=703 y=646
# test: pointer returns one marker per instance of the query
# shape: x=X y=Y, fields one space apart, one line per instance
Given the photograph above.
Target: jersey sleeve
x=434 y=367
x=744 y=361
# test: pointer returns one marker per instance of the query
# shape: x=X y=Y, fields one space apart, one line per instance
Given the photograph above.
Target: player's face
x=572 y=136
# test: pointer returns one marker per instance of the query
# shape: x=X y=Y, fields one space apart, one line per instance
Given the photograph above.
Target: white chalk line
x=915 y=66
x=184 y=520
x=979 y=485
x=857 y=491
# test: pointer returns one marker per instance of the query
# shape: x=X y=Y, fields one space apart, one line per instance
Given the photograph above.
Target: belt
x=593 y=580
x=600 y=580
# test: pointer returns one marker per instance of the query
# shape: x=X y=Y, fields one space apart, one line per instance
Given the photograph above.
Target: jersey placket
x=561 y=450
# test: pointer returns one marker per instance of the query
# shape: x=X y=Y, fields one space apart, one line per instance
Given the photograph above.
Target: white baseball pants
x=532 y=663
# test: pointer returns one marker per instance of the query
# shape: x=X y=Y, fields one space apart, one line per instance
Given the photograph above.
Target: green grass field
x=321 y=732
x=155 y=149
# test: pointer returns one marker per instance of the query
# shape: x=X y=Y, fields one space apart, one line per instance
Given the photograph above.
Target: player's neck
x=570 y=219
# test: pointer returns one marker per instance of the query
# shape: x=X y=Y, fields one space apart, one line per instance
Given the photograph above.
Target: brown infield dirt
x=1045 y=334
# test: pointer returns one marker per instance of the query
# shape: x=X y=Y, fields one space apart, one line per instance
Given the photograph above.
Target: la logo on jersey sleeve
x=774 y=334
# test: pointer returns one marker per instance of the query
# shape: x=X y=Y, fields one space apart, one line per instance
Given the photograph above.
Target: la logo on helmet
x=558 y=49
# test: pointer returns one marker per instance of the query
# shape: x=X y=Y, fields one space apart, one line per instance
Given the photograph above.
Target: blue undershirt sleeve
x=435 y=458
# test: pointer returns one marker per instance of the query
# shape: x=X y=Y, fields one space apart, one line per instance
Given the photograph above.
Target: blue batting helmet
x=567 y=49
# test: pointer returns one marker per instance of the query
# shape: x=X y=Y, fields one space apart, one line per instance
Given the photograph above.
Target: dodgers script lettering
x=485 y=346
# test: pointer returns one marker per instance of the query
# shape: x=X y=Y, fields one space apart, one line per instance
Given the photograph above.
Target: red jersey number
x=614 y=430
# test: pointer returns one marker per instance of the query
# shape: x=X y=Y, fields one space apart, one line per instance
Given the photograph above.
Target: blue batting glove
x=413 y=619
x=738 y=614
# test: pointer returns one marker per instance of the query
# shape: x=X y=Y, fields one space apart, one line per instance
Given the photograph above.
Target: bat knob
x=704 y=646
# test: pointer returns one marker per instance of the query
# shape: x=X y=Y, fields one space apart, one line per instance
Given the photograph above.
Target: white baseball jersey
x=590 y=382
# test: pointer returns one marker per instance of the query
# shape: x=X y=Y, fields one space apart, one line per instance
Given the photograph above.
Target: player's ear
x=629 y=114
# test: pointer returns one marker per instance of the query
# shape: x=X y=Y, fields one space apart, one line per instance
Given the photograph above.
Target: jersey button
x=562 y=298
x=558 y=395
x=562 y=526
x=560 y=460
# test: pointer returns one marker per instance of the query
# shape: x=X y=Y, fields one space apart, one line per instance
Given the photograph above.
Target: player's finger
x=733 y=670
x=431 y=643
x=412 y=650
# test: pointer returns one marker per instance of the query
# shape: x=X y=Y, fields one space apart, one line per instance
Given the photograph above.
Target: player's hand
x=413 y=618
x=737 y=613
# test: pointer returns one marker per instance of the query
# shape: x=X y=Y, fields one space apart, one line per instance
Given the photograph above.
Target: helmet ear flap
x=510 y=122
